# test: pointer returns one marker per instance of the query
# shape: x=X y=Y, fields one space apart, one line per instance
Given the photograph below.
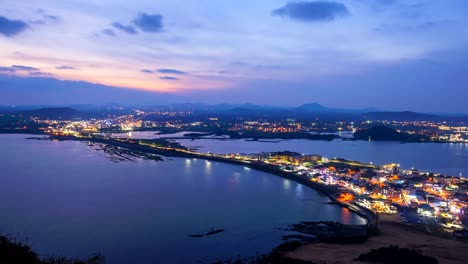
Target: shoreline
x=329 y=191
x=175 y=153
x=373 y=221
x=258 y=139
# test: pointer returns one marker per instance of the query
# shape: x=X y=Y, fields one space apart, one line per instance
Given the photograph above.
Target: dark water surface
x=68 y=200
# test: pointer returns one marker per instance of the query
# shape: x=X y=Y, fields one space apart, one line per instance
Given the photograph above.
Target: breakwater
x=327 y=190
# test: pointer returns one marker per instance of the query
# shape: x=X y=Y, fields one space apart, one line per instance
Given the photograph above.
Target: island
x=385 y=133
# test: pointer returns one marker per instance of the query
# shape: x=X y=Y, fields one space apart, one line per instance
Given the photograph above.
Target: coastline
x=331 y=192
x=65 y=146
x=328 y=191
x=273 y=139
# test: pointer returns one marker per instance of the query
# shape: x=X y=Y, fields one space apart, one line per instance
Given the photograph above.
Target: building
x=293 y=157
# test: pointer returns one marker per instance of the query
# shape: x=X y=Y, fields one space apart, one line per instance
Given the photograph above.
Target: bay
x=65 y=199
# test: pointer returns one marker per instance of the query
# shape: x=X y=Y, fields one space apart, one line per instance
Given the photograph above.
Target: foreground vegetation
x=13 y=252
x=394 y=254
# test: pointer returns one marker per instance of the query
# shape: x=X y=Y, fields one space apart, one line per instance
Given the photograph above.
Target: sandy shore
x=445 y=248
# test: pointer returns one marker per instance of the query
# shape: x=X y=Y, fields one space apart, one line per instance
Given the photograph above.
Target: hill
x=318 y=108
x=313 y=107
x=400 y=116
x=384 y=133
x=56 y=113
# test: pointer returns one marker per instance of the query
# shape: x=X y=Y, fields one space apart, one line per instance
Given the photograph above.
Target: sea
x=65 y=198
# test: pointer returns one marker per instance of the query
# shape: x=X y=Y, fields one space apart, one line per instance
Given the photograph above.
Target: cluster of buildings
x=456 y=132
x=123 y=120
x=385 y=189
x=85 y=127
x=382 y=189
x=286 y=126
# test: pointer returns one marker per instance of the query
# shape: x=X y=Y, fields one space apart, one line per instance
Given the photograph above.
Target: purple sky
x=389 y=54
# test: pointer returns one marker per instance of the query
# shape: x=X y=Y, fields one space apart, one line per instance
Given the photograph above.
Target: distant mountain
x=313 y=107
x=13 y=109
x=302 y=112
x=400 y=116
x=57 y=113
x=246 y=107
x=318 y=108
x=384 y=133
x=59 y=93
x=215 y=107
x=240 y=110
x=308 y=110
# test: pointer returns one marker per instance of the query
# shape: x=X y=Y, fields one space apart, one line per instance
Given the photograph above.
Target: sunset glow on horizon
x=276 y=52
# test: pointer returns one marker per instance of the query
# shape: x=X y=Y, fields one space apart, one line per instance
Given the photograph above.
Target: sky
x=389 y=54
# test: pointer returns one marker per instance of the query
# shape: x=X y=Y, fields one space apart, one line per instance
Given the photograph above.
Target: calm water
x=449 y=159
x=66 y=199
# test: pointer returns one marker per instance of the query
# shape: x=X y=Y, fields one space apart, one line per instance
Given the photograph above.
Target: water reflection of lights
x=246 y=168
x=286 y=184
x=208 y=168
x=299 y=191
x=237 y=176
x=345 y=216
x=188 y=166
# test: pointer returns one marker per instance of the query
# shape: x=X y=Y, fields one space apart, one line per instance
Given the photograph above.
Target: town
x=233 y=123
x=438 y=203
